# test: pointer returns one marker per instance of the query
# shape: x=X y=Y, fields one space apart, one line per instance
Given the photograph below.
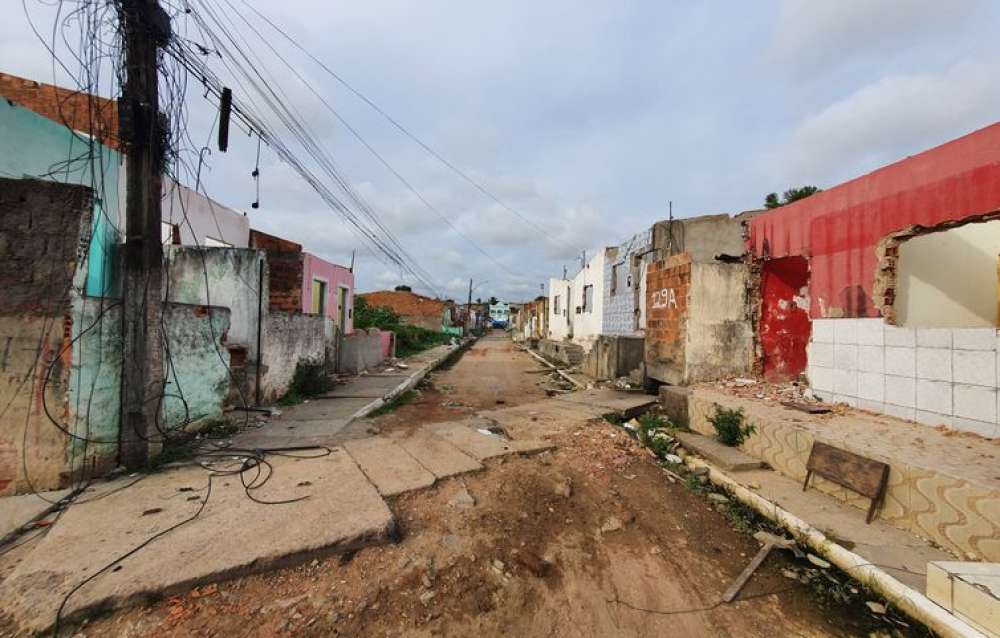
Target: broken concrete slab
x=484 y=446
x=233 y=536
x=16 y=511
x=438 y=455
x=605 y=400
x=722 y=456
x=391 y=468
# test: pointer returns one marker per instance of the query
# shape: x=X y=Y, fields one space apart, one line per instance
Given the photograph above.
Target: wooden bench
x=864 y=476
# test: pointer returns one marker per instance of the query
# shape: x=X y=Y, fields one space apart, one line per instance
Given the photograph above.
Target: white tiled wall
x=936 y=376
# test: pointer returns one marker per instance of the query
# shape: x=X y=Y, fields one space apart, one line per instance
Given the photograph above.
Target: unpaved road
x=528 y=558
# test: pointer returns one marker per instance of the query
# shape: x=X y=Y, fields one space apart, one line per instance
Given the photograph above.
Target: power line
x=395 y=123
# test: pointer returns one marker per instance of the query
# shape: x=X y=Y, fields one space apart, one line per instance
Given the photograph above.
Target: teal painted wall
x=35 y=146
x=95 y=380
x=198 y=365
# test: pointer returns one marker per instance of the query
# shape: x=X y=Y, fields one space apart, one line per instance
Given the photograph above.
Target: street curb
x=908 y=600
x=410 y=382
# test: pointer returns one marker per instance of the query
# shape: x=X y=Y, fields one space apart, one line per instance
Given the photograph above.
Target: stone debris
x=876 y=608
x=817 y=561
x=721 y=499
x=613 y=524
x=564 y=488
x=462 y=499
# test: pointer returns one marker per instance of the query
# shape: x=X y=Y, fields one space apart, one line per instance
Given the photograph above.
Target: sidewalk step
x=437 y=455
x=388 y=466
x=727 y=458
x=484 y=446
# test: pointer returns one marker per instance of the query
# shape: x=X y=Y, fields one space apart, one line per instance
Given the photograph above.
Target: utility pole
x=146 y=27
x=468 y=310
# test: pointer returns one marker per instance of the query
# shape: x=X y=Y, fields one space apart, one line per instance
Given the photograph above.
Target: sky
x=585 y=118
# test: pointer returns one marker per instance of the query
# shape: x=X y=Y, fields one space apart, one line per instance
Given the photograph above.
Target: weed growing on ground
x=730 y=426
x=310 y=379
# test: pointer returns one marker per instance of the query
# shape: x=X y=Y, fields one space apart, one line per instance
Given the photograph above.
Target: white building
x=576 y=306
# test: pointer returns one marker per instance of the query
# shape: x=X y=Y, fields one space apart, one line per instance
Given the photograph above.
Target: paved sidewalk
x=322 y=420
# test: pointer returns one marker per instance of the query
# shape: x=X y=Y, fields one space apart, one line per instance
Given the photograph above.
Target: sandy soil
x=527 y=559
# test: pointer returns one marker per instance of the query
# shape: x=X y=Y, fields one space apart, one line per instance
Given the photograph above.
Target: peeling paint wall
x=233 y=281
x=288 y=339
x=839 y=229
x=197 y=372
x=784 y=324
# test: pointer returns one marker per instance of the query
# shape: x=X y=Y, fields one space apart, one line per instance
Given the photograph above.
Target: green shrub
x=310 y=379
x=730 y=426
x=409 y=339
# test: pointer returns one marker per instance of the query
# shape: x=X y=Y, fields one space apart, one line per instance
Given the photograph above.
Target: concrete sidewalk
x=322 y=420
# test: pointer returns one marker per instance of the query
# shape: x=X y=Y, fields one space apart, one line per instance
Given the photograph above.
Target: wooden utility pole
x=146 y=27
x=468 y=310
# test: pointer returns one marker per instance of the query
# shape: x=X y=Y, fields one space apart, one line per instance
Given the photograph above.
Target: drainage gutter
x=908 y=600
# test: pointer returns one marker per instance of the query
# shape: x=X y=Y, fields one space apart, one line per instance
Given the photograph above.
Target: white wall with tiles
x=935 y=376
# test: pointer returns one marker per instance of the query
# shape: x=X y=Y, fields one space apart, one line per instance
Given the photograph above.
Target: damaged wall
x=784 y=326
x=839 y=229
x=233 y=281
x=289 y=338
x=622 y=282
x=44 y=241
x=361 y=350
x=948 y=279
x=613 y=356
x=197 y=374
x=699 y=326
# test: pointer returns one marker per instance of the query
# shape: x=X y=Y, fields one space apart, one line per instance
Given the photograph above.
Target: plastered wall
x=948 y=279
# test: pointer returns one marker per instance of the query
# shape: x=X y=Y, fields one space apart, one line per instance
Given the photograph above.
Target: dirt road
x=588 y=540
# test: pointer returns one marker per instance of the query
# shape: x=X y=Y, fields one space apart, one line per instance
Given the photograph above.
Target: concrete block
x=969 y=590
x=820 y=354
x=845 y=382
x=934 y=396
x=674 y=401
x=845 y=331
x=899 y=337
x=871 y=359
x=388 y=466
x=978 y=599
x=900 y=412
x=934 y=364
x=871 y=386
x=820 y=378
x=982 y=428
x=901 y=361
x=901 y=391
x=934 y=337
x=845 y=356
x=822 y=330
x=727 y=458
x=974 y=339
x=871 y=332
x=975 y=402
x=974 y=367
x=932 y=419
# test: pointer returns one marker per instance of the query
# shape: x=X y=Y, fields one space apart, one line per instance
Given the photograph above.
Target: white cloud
x=890 y=119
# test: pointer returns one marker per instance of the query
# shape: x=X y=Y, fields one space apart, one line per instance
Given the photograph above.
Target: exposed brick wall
x=668 y=283
x=42 y=239
x=89 y=114
x=285 y=264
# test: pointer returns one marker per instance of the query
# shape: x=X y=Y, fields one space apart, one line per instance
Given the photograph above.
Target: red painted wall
x=785 y=325
x=838 y=229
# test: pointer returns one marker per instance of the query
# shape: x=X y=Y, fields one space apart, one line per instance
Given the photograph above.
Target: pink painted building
x=328 y=289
